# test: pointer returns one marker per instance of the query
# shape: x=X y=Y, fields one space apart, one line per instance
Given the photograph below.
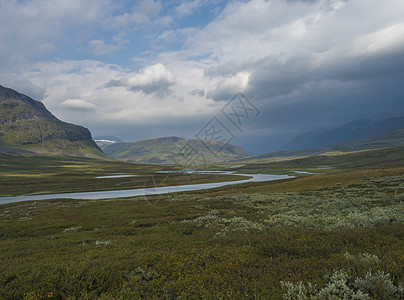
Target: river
x=146 y=191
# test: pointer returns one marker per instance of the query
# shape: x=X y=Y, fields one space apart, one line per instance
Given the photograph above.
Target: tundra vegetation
x=325 y=236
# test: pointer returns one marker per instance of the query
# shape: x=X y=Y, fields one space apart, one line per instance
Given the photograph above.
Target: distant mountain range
x=26 y=126
x=349 y=132
x=353 y=136
x=389 y=140
x=171 y=150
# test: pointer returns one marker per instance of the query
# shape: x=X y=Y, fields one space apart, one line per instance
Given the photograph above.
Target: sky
x=151 y=68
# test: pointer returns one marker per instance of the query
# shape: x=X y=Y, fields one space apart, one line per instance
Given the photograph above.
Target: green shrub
x=343 y=284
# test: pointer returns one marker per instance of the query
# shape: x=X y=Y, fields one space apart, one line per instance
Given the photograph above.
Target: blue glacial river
x=146 y=191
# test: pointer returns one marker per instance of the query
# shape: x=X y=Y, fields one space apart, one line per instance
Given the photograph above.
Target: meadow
x=21 y=175
x=322 y=236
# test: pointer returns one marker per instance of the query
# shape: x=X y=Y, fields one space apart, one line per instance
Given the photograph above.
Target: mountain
x=27 y=126
x=170 y=150
x=349 y=132
x=106 y=140
x=301 y=141
x=389 y=140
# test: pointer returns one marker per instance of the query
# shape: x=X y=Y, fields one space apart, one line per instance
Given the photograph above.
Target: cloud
x=78 y=105
x=82 y=86
x=304 y=63
x=386 y=40
x=32 y=29
x=100 y=48
x=26 y=87
x=198 y=92
x=143 y=12
x=155 y=78
x=228 y=87
x=187 y=7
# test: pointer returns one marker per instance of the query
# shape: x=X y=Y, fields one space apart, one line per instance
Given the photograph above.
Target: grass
x=268 y=240
x=370 y=159
x=55 y=174
x=197 y=246
x=306 y=183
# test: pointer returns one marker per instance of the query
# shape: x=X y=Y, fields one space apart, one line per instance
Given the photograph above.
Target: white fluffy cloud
x=85 y=86
x=78 y=105
x=155 y=78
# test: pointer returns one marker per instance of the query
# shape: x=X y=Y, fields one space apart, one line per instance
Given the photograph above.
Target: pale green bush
x=348 y=284
x=379 y=285
x=142 y=274
x=339 y=287
x=73 y=229
x=102 y=243
x=226 y=225
x=298 y=290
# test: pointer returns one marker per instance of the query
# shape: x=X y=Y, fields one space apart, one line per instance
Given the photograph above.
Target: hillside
x=169 y=150
x=26 y=125
x=349 y=132
x=391 y=139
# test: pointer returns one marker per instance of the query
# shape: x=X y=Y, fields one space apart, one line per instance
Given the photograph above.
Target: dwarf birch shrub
x=142 y=274
x=379 y=285
x=73 y=229
x=350 y=284
x=376 y=202
x=102 y=243
x=362 y=263
x=213 y=220
x=339 y=287
x=298 y=290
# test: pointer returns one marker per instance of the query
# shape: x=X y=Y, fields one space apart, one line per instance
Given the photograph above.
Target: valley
x=138 y=224
x=255 y=235
x=232 y=150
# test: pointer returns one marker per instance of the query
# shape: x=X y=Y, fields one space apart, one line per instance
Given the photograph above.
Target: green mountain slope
x=171 y=150
x=26 y=125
